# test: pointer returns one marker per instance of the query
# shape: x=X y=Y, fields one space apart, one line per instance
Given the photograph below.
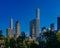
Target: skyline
x=24 y=10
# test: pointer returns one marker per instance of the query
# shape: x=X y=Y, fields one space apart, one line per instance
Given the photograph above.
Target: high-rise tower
x=11 y=23
x=38 y=13
x=36 y=23
x=32 y=31
x=10 y=31
x=17 y=29
x=58 y=23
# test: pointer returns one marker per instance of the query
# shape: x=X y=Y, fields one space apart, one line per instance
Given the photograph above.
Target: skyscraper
x=17 y=29
x=11 y=23
x=37 y=13
x=36 y=23
x=58 y=23
x=10 y=31
x=32 y=31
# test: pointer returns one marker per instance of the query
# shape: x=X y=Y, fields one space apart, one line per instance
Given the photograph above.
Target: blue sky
x=25 y=10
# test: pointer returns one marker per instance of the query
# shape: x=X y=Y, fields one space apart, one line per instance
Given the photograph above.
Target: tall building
x=10 y=31
x=32 y=31
x=11 y=23
x=17 y=29
x=52 y=27
x=58 y=23
x=36 y=23
x=33 y=24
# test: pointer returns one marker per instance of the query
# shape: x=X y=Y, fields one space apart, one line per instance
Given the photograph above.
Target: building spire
x=37 y=13
x=11 y=23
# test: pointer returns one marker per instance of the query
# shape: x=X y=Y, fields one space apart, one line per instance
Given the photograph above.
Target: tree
x=20 y=42
x=34 y=45
x=58 y=39
x=23 y=35
x=12 y=43
x=58 y=35
x=7 y=42
x=51 y=39
x=2 y=39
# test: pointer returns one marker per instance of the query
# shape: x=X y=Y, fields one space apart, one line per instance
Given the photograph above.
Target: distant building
x=35 y=24
x=0 y=32
x=22 y=33
x=52 y=27
x=44 y=29
x=58 y=23
x=33 y=31
x=33 y=28
x=17 y=29
x=11 y=23
x=10 y=32
x=48 y=29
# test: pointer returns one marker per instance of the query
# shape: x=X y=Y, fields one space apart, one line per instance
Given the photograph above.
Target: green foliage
x=51 y=39
x=58 y=35
x=12 y=43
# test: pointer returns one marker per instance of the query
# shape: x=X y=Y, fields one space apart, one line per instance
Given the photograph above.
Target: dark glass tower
x=58 y=23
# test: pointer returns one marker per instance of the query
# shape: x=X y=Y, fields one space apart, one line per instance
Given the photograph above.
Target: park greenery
x=46 y=40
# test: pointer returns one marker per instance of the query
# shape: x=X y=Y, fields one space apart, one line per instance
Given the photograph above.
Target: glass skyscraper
x=58 y=23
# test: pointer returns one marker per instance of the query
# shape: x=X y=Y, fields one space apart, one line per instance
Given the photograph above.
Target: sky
x=25 y=10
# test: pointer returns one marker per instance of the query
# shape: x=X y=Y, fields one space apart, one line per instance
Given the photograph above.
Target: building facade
x=58 y=23
x=17 y=29
x=10 y=31
x=11 y=23
x=36 y=23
